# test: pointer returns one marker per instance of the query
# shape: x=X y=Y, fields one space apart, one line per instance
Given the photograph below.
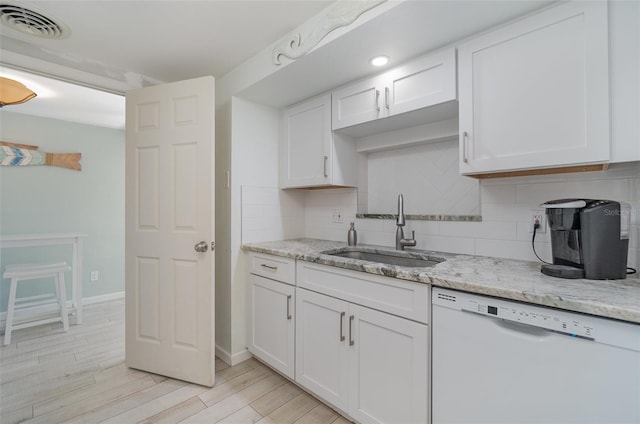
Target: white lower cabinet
x=271 y=323
x=370 y=364
x=388 y=366
x=321 y=346
x=358 y=341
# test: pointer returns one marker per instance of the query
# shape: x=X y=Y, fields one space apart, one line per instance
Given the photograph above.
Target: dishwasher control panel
x=531 y=315
x=574 y=324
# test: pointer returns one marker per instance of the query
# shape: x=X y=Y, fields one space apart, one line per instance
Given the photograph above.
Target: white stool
x=30 y=272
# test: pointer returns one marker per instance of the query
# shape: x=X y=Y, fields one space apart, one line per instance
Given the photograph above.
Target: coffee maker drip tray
x=562 y=271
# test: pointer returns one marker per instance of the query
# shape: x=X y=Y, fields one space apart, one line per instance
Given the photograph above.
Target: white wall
x=223 y=232
x=254 y=160
x=247 y=137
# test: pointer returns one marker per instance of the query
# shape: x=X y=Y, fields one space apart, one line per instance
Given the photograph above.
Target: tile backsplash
x=272 y=214
x=506 y=207
x=427 y=174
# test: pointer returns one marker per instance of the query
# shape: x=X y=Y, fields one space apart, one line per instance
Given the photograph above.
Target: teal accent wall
x=46 y=199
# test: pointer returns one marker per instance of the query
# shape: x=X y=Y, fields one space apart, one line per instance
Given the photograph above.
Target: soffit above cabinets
x=402 y=33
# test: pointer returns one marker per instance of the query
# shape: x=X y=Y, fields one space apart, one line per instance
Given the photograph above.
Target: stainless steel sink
x=390 y=259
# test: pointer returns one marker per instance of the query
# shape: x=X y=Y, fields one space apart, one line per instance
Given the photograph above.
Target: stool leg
x=62 y=300
x=10 y=309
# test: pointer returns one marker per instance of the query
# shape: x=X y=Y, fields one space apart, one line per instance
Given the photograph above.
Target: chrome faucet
x=401 y=242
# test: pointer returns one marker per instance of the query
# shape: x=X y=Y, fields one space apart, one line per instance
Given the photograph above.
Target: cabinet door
x=424 y=82
x=388 y=366
x=321 y=346
x=534 y=94
x=358 y=103
x=272 y=329
x=306 y=144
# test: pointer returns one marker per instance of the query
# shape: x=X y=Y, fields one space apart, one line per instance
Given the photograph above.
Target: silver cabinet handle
x=326 y=158
x=342 y=314
x=201 y=247
x=351 y=341
x=386 y=97
x=272 y=268
x=465 y=135
x=378 y=100
x=288 y=307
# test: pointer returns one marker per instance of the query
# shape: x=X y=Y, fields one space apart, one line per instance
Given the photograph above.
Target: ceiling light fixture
x=13 y=92
x=379 y=60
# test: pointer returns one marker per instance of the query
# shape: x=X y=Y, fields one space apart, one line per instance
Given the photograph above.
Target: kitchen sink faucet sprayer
x=401 y=242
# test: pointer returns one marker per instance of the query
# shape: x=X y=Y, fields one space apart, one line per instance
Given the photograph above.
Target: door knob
x=201 y=247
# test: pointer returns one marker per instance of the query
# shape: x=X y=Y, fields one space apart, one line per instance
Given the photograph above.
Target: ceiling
x=141 y=43
x=148 y=42
x=159 y=40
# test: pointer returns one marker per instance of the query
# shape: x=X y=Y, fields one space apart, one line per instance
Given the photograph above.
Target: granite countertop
x=504 y=278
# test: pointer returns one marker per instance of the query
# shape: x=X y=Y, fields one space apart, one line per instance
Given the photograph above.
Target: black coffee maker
x=589 y=238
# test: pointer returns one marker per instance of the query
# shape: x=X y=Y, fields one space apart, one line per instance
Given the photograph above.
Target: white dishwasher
x=498 y=361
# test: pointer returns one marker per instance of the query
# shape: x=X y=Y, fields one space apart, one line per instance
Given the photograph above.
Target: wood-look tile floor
x=48 y=376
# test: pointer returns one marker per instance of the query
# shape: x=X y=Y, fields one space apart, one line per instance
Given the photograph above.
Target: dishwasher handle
x=523 y=329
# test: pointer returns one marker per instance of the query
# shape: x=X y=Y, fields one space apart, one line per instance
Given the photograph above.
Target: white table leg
x=77 y=279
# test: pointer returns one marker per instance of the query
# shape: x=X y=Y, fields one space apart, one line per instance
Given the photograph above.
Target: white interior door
x=169 y=210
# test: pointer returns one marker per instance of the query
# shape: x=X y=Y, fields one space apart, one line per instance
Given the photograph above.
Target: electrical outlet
x=94 y=275
x=538 y=218
x=338 y=216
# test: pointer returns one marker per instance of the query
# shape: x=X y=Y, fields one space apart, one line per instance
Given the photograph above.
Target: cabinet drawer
x=402 y=298
x=274 y=267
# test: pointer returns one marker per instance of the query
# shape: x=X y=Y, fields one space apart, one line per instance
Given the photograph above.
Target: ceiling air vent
x=31 y=22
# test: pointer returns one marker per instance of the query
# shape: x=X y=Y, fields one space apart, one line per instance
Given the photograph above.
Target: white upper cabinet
x=535 y=94
x=424 y=82
x=358 y=103
x=310 y=154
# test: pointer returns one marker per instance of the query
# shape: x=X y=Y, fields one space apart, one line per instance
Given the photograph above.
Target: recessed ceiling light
x=379 y=60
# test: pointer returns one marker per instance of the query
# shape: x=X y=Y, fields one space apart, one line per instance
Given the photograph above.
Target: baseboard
x=234 y=359
x=241 y=357
x=86 y=301
x=103 y=298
